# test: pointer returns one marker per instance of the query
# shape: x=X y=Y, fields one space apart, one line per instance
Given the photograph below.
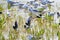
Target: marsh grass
x=2 y=21
x=9 y=6
x=41 y=27
x=1 y=36
x=13 y=35
x=1 y=8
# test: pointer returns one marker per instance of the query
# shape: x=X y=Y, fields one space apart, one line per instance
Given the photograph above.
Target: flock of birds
x=32 y=6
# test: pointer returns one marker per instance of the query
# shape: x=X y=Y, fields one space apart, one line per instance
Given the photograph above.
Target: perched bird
x=27 y=24
x=0 y=12
x=16 y=25
x=28 y=21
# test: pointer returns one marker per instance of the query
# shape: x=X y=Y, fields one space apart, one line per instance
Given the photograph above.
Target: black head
x=59 y=23
x=14 y=27
x=0 y=12
x=28 y=24
x=40 y=15
x=37 y=16
x=58 y=14
x=24 y=26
